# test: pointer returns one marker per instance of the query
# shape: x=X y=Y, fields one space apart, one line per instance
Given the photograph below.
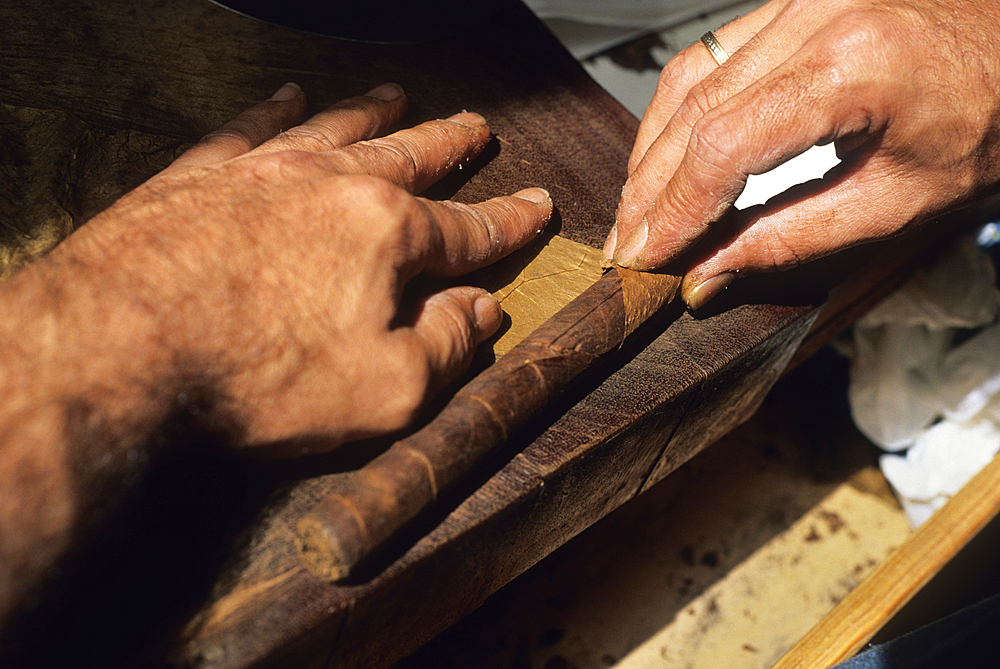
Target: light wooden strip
x=857 y=618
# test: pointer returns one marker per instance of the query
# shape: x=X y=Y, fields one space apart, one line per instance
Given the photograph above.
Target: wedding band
x=714 y=48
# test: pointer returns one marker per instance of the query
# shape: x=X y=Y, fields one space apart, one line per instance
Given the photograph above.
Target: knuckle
x=676 y=234
x=312 y=137
x=461 y=332
x=713 y=144
x=391 y=210
x=395 y=204
x=700 y=100
x=854 y=34
x=482 y=233
x=284 y=165
x=678 y=74
x=788 y=247
x=371 y=191
x=232 y=134
x=483 y=226
x=393 y=153
x=781 y=254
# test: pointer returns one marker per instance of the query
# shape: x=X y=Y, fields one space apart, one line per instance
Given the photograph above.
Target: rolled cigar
x=372 y=503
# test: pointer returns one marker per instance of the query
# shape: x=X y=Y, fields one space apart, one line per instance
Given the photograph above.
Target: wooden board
x=209 y=576
x=725 y=563
x=867 y=608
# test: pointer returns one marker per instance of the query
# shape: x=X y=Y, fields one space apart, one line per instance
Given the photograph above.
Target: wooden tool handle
x=369 y=505
x=862 y=613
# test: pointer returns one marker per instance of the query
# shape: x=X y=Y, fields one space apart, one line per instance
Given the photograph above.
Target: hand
x=906 y=90
x=272 y=265
x=253 y=291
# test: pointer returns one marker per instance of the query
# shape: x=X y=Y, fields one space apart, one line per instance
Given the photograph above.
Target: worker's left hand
x=906 y=90
x=274 y=263
x=260 y=289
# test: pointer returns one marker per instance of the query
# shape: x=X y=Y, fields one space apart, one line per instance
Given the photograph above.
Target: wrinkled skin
x=278 y=270
x=907 y=91
x=259 y=279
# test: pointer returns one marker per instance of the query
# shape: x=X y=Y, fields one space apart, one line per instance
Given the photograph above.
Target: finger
x=449 y=327
x=660 y=160
x=346 y=122
x=417 y=157
x=808 y=222
x=693 y=65
x=459 y=238
x=692 y=84
x=248 y=130
x=800 y=104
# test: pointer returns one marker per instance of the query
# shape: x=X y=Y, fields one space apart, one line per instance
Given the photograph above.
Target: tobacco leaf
x=535 y=282
x=644 y=293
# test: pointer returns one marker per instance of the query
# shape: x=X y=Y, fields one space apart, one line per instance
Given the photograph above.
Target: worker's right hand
x=907 y=90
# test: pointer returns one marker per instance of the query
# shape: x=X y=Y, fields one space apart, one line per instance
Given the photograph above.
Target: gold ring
x=714 y=48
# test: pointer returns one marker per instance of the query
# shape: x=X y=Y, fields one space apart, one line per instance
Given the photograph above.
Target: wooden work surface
x=725 y=563
x=204 y=572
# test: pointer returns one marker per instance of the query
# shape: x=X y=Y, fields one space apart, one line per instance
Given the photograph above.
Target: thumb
x=807 y=222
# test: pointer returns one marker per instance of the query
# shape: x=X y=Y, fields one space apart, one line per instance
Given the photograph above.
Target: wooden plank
x=863 y=612
x=586 y=464
x=726 y=563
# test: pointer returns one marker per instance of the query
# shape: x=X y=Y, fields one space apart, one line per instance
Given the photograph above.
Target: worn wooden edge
x=530 y=507
x=863 y=612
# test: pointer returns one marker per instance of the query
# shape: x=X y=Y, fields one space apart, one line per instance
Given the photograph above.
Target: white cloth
x=920 y=384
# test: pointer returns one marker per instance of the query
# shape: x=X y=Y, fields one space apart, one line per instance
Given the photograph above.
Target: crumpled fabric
x=925 y=378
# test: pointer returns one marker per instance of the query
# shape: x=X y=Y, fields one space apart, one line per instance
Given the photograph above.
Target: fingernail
x=536 y=195
x=488 y=314
x=632 y=246
x=471 y=119
x=608 y=253
x=289 y=91
x=386 y=92
x=708 y=289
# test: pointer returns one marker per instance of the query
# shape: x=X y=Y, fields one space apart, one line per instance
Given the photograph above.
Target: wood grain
x=863 y=612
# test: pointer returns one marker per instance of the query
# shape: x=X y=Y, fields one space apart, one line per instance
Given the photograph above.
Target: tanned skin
x=253 y=288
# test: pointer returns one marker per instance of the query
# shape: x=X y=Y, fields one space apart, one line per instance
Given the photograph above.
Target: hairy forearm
x=85 y=388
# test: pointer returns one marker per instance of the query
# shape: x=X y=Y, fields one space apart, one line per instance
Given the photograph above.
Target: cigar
x=370 y=504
